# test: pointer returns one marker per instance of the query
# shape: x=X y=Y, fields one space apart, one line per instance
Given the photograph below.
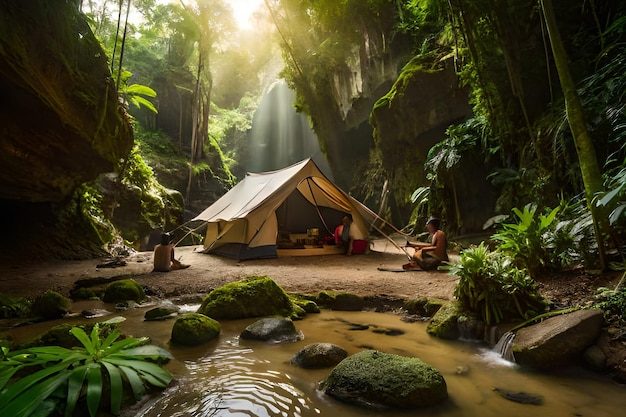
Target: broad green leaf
x=83 y=338
x=143 y=90
x=94 y=388
x=140 y=101
x=112 y=337
x=144 y=367
x=25 y=384
x=24 y=404
x=6 y=374
x=116 y=387
x=136 y=384
x=125 y=344
x=74 y=388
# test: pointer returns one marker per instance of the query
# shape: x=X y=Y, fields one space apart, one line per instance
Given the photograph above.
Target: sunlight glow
x=242 y=11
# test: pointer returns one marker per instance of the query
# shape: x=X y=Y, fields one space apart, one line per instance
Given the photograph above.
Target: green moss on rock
x=124 y=290
x=340 y=301
x=308 y=306
x=372 y=377
x=253 y=297
x=444 y=323
x=416 y=306
x=51 y=305
x=433 y=305
x=194 y=329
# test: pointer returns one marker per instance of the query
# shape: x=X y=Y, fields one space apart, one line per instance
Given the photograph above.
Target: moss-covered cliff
x=62 y=123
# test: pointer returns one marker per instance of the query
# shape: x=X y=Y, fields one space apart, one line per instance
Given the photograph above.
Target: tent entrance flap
x=296 y=214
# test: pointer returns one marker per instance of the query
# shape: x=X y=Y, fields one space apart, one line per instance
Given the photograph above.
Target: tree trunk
x=592 y=177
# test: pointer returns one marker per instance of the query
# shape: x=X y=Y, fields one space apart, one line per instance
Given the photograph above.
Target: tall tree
x=589 y=167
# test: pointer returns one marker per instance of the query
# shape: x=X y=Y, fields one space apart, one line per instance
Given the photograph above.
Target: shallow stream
x=232 y=377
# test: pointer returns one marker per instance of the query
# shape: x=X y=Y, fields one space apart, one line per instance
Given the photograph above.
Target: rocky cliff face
x=61 y=122
x=61 y=125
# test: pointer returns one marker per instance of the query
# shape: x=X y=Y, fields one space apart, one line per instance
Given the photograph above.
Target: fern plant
x=492 y=287
x=63 y=376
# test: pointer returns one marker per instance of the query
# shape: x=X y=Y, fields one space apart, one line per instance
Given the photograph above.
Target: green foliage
x=612 y=302
x=559 y=238
x=492 y=287
x=12 y=307
x=526 y=241
x=61 y=378
x=615 y=197
x=136 y=93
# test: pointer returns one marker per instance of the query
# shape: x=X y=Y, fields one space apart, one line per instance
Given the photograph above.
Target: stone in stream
x=272 y=329
x=373 y=378
x=165 y=310
x=557 y=341
x=444 y=323
x=319 y=355
x=253 y=297
x=194 y=329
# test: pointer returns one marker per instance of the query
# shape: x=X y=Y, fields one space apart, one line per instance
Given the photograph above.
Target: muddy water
x=232 y=377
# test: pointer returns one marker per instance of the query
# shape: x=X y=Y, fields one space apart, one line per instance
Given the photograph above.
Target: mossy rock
x=272 y=329
x=85 y=293
x=124 y=290
x=340 y=301
x=13 y=307
x=416 y=306
x=194 y=329
x=319 y=355
x=444 y=323
x=51 y=305
x=375 y=378
x=433 y=305
x=308 y=306
x=253 y=297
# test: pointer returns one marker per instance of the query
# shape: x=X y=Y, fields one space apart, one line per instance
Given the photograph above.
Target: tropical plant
x=136 y=93
x=491 y=286
x=526 y=240
x=62 y=377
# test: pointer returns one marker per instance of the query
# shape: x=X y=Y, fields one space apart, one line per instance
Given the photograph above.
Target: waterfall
x=503 y=347
x=280 y=136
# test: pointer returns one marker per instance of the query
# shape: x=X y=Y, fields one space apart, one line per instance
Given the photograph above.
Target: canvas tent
x=246 y=221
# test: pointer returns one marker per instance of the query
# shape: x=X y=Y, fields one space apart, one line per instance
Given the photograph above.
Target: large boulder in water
x=274 y=329
x=558 y=340
x=444 y=323
x=254 y=297
x=383 y=379
x=319 y=355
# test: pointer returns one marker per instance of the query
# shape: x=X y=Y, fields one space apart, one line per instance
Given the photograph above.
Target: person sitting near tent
x=348 y=235
x=164 y=260
x=429 y=255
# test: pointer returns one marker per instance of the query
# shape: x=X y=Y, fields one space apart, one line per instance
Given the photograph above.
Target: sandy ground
x=356 y=274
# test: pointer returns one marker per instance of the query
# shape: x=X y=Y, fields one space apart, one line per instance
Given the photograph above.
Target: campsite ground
x=357 y=274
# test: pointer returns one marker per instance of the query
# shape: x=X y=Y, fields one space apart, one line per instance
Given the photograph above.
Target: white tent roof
x=269 y=189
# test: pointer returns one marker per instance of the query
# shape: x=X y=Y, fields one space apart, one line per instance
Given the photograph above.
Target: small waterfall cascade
x=503 y=347
x=280 y=136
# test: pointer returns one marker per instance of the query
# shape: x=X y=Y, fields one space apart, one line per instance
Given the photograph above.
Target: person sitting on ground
x=348 y=235
x=164 y=260
x=429 y=255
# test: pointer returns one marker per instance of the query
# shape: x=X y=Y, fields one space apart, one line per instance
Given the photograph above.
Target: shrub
x=492 y=287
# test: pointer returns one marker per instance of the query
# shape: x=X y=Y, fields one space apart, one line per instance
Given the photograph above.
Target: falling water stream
x=279 y=136
x=233 y=377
